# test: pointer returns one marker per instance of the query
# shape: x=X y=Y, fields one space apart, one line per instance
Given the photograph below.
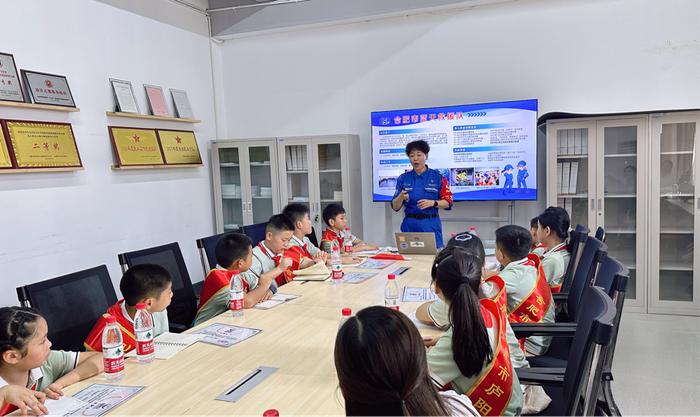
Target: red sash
x=533 y=308
x=217 y=281
x=6 y=408
x=501 y=298
x=331 y=236
x=287 y=275
x=491 y=393
x=94 y=339
x=557 y=288
x=301 y=247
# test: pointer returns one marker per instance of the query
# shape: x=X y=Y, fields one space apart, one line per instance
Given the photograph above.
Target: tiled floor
x=657 y=365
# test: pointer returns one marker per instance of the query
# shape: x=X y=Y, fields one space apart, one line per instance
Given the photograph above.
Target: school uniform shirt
x=445 y=372
x=264 y=260
x=539 y=250
x=554 y=263
x=458 y=404
x=305 y=246
x=520 y=280
x=439 y=314
x=58 y=364
x=214 y=298
x=429 y=185
x=126 y=325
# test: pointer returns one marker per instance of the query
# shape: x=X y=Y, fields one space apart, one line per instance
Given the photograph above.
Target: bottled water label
x=337 y=271
x=144 y=342
x=113 y=359
x=236 y=301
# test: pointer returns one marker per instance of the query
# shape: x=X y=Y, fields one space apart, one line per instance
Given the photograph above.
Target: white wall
x=574 y=56
x=56 y=223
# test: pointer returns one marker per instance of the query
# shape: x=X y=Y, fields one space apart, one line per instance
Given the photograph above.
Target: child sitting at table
x=553 y=233
x=299 y=215
x=335 y=234
x=537 y=247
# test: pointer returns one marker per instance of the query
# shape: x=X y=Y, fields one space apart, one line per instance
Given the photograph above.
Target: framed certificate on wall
x=5 y=160
x=179 y=147
x=10 y=87
x=182 y=104
x=156 y=100
x=42 y=144
x=135 y=146
x=124 y=96
x=48 y=89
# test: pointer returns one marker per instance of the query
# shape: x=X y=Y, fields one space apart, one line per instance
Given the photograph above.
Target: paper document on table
x=357 y=277
x=168 y=344
x=97 y=400
x=64 y=406
x=226 y=335
x=319 y=268
x=374 y=264
x=275 y=300
x=417 y=294
x=365 y=252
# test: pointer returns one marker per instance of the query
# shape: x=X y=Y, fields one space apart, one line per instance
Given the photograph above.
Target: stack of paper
x=276 y=300
x=169 y=344
x=317 y=272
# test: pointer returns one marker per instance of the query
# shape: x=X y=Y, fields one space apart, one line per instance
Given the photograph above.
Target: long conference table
x=297 y=337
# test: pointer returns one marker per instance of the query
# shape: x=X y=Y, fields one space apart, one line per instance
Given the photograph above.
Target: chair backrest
x=312 y=237
x=256 y=232
x=71 y=304
x=584 y=364
x=183 y=306
x=576 y=239
x=600 y=234
x=593 y=249
x=207 y=251
x=618 y=292
x=608 y=270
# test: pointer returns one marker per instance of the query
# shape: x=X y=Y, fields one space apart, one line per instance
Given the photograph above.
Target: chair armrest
x=560 y=297
x=530 y=376
x=543 y=329
x=549 y=371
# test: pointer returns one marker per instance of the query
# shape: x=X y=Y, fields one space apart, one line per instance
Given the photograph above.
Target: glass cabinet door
x=294 y=163
x=330 y=179
x=231 y=192
x=674 y=284
x=619 y=209
x=261 y=183
x=573 y=145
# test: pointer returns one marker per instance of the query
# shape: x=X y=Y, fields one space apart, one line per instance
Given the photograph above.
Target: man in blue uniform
x=522 y=175
x=422 y=192
x=508 y=175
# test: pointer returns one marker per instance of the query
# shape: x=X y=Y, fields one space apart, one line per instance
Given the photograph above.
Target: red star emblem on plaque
x=178 y=139
x=48 y=83
x=136 y=138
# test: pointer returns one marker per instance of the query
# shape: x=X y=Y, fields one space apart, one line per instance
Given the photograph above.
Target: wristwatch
x=435 y=204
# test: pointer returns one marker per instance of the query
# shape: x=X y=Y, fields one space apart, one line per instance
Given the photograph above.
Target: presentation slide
x=485 y=151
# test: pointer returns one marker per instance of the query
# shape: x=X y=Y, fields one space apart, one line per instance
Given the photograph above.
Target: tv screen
x=485 y=151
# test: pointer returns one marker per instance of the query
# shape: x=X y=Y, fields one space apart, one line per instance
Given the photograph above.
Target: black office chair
x=600 y=234
x=71 y=304
x=577 y=237
x=183 y=306
x=207 y=248
x=574 y=389
x=312 y=237
x=256 y=232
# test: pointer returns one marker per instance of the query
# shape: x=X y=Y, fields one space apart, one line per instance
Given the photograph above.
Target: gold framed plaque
x=5 y=160
x=179 y=147
x=42 y=144
x=135 y=146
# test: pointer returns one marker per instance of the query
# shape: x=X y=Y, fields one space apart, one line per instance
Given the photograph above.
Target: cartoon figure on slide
x=522 y=175
x=508 y=174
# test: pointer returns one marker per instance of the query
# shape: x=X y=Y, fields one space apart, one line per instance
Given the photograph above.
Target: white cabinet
x=256 y=178
x=600 y=177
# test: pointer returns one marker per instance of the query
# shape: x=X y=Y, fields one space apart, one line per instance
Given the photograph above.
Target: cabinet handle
x=698 y=204
x=592 y=203
x=600 y=204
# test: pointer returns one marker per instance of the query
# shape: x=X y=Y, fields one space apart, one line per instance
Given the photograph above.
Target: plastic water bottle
x=143 y=327
x=112 y=350
x=347 y=241
x=391 y=292
x=346 y=313
x=472 y=230
x=336 y=266
x=236 y=295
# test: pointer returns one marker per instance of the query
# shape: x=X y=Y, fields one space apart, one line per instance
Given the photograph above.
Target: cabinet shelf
x=298 y=172
x=259 y=164
x=620 y=155
x=572 y=195
x=678 y=153
x=675 y=266
x=620 y=195
x=330 y=200
x=299 y=199
x=230 y=197
x=329 y=170
x=573 y=156
x=620 y=231
x=672 y=231
x=263 y=197
x=229 y=165
x=676 y=195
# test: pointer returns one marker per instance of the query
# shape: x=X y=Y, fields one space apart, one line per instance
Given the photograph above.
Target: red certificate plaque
x=156 y=100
